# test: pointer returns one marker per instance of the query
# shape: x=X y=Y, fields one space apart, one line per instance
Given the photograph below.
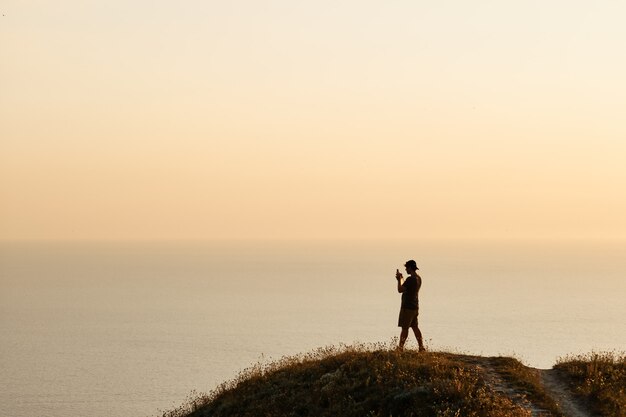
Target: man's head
x=411 y=266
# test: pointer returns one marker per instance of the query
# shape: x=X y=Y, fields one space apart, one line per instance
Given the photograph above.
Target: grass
x=378 y=381
x=599 y=379
x=361 y=380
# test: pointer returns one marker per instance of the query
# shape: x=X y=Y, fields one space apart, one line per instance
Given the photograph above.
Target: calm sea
x=128 y=329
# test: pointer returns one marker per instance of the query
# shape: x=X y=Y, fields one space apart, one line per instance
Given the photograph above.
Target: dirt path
x=559 y=392
x=494 y=380
x=498 y=384
x=554 y=387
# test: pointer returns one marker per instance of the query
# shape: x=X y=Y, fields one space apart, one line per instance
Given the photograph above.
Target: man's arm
x=399 y=279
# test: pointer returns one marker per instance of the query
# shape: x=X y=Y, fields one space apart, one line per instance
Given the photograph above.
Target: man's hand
x=399 y=279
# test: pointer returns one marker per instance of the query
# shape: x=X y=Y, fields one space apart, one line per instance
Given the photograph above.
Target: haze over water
x=125 y=329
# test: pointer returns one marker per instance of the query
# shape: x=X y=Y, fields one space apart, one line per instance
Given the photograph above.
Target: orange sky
x=287 y=119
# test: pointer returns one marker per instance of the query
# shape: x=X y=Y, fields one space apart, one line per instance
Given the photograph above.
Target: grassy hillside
x=377 y=381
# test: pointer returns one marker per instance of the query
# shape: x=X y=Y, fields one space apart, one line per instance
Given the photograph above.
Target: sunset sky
x=312 y=119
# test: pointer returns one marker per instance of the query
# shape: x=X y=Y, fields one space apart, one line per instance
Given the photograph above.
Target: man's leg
x=418 y=336
x=403 y=335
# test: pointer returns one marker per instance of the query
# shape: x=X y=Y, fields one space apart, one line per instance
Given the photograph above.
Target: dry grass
x=526 y=380
x=599 y=379
x=361 y=380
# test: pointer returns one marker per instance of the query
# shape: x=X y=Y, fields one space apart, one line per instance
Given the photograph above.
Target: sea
x=96 y=329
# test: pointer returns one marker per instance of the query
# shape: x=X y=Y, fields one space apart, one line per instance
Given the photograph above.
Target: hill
x=379 y=381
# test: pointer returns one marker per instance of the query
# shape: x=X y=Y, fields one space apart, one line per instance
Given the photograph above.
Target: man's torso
x=410 y=294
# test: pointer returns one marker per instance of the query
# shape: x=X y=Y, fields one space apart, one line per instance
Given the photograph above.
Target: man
x=410 y=304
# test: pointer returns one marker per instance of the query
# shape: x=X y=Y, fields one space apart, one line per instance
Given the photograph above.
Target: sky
x=312 y=119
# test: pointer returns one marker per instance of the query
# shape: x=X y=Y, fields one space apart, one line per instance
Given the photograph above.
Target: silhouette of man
x=410 y=304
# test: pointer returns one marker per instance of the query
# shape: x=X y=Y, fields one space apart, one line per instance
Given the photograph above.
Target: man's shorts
x=408 y=318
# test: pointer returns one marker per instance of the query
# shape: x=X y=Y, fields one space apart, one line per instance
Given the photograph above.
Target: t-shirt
x=409 y=295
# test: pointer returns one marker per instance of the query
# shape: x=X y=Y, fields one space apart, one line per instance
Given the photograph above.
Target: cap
x=411 y=263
